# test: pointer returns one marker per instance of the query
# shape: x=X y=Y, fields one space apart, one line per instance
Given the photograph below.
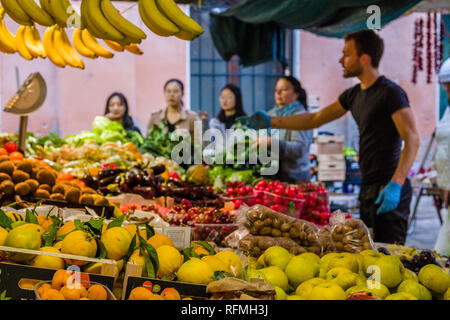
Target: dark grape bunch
x=422 y=259
x=384 y=250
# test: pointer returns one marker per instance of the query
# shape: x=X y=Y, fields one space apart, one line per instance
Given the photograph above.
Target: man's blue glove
x=260 y=120
x=389 y=197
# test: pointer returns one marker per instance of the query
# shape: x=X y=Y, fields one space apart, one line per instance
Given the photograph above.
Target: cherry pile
x=187 y=214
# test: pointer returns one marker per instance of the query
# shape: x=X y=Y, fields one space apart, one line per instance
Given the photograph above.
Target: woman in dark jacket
x=117 y=110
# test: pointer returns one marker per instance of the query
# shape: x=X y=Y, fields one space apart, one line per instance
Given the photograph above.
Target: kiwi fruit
x=42 y=194
x=101 y=202
x=73 y=195
x=265 y=231
x=7 y=167
x=20 y=176
x=258 y=224
x=276 y=232
x=4 y=158
x=88 y=190
x=7 y=187
x=33 y=184
x=26 y=166
x=45 y=176
x=59 y=188
x=57 y=196
x=4 y=176
x=267 y=222
x=86 y=199
x=45 y=187
x=22 y=189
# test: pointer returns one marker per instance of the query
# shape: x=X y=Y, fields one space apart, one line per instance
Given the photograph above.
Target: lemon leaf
x=208 y=247
x=101 y=250
x=132 y=245
x=5 y=221
x=150 y=231
x=117 y=222
x=49 y=235
x=30 y=217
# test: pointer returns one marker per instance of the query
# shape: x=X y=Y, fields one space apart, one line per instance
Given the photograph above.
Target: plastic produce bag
x=262 y=221
x=254 y=246
x=443 y=151
x=442 y=245
x=348 y=235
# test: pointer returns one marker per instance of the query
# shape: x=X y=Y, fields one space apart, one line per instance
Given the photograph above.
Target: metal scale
x=29 y=97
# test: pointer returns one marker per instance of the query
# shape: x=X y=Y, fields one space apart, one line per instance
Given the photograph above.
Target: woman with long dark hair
x=117 y=110
x=174 y=115
x=231 y=108
x=294 y=162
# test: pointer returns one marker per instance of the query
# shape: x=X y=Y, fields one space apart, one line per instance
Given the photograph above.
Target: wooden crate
x=110 y=295
x=19 y=280
x=134 y=279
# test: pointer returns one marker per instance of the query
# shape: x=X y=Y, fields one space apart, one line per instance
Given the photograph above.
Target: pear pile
x=337 y=276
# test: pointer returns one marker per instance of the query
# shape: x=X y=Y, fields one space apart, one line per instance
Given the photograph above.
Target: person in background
x=294 y=162
x=117 y=110
x=174 y=115
x=231 y=108
x=382 y=112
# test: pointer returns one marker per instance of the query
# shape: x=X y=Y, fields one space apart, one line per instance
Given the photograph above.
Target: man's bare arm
x=406 y=127
x=308 y=120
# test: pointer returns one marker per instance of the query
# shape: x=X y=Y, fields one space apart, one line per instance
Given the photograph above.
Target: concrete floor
x=425 y=227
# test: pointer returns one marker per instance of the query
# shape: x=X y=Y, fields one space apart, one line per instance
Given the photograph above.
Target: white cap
x=444 y=73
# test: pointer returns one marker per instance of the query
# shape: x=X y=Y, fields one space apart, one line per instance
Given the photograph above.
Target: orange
x=3 y=152
x=96 y=292
x=187 y=298
x=43 y=288
x=170 y=294
x=71 y=294
x=140 y=293
x=156 y=297
x=159 y=240
x=52 y=294
x=84 y=299
x=60 y=279
x=65 y=228
x=45 y=222
x=16 y=155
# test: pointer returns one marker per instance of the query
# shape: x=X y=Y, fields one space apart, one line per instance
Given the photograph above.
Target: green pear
x=277 y=256
x=276 y=276
x=416 y=289
x=410 y=275
x=401 y=296
x=280 y=294
x=300 y=269
x=434 y=278
x=390 y=269
x=345 y=260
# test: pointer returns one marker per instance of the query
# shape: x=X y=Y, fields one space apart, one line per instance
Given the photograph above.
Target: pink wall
x=76 y=96
x=321 y=72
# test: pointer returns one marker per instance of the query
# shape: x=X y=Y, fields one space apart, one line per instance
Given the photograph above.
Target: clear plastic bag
x=254 y=246
x=348 y=235
x=262 y=221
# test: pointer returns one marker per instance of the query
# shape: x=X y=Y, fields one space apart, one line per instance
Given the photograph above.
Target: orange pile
x=145 y=293
x=64 y=287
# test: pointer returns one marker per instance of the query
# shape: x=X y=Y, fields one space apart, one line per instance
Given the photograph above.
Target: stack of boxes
x=330 y=158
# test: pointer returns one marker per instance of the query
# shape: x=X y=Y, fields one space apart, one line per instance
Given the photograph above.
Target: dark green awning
x=251 y=28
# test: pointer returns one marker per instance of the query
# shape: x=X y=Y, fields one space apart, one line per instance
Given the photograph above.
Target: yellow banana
x=45 y=4
x=186 y=35
x=80 y=46
x=7 y=39
x=122 y=24
x=114 y=45
x=95 y=17
x=84 y=18
x=40 y=45
x=50 y=49
x=65 y=13
x=133 y=48
x=15 y=11
x=174 y=13
x=30 y=42
x=93 y=44
x=36 y=12
x=20 y=42
x=155 y=20
x=66 y=50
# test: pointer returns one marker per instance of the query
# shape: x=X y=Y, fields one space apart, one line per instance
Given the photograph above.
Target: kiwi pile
x=27 y=178
x=263 y=221
x=351 y=236
x=254 y=246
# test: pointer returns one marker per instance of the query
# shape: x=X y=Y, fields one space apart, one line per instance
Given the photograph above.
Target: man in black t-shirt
x=384 y=118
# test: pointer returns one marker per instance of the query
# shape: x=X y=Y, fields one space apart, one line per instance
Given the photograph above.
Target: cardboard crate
x=330 y=144
x=330 y=157
x=332 y=165
x=331 y=175
x=133 y=278
x=17 y=278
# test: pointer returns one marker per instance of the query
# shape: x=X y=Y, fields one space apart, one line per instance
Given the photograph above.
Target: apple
x=276 y=276
x=409 y=274
x=345 y=279
x=323 y=263
x=416 y=289
x=369 y=259
x=390 y=271
x=345 y=260
x=434 y=278
x=304 y=290
x=401 y=296
x=327 y=291
x=277 y=256
x=300 y=269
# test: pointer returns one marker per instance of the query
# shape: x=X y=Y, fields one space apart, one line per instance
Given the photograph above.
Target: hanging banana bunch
x=7 y=39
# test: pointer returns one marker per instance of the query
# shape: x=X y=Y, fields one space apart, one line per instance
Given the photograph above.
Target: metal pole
x=23 y=121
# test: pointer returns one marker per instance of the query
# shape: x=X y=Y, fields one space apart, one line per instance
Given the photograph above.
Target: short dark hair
x=302 y=96
x=127 y=121
x=368 y=42
x=238 y=107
